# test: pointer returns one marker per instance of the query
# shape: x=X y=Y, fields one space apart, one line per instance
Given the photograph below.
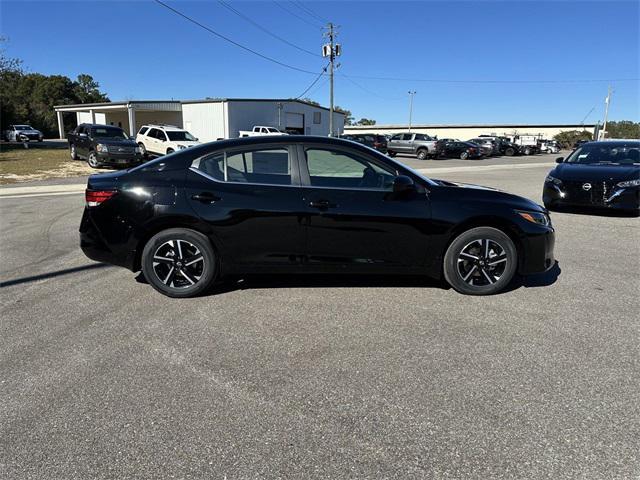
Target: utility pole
x=411 y=94
x=332 y=51
x=607 y=101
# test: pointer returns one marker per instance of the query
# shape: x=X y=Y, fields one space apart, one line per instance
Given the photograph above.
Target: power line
x=313 y=83
x=364 y=89
x=291 y=12
x=233 y=42
x=308 y=11
x=268 y=32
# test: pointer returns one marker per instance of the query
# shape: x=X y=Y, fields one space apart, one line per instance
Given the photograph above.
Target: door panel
x=355 y=220
x=255 y=224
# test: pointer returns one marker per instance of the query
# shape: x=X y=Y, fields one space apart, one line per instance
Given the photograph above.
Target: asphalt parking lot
x=102 y=377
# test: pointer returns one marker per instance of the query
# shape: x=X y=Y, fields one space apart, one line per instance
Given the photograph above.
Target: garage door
x=294 y=120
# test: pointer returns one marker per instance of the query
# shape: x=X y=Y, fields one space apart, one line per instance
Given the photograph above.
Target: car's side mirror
x=403 y=184
x=559 y=159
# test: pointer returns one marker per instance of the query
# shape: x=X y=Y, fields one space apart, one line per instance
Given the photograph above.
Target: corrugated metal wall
x=206 y=121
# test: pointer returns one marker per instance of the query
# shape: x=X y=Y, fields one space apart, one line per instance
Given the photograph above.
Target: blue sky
x=138 y=49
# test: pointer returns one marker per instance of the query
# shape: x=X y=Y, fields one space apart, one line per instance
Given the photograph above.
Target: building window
x=317 y=118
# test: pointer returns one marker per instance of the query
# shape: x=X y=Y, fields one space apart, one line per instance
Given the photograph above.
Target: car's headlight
x=536 y=217
x=181 y=147
x=554 y=180
x=102 y=148
x=630 y=183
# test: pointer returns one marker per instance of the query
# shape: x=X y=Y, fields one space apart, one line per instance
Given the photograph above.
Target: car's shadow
x=255 y=282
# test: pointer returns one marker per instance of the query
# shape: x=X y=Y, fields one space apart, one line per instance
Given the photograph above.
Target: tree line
x=622 y=129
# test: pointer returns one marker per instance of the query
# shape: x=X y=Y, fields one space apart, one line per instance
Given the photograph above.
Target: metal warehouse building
x=465 y=132
x=209 y=119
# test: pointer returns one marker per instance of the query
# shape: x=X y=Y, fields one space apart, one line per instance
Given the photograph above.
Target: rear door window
x=268 y=166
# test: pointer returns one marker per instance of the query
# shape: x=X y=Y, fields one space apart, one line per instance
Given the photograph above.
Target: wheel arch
x=499 y=223
x=167 y=224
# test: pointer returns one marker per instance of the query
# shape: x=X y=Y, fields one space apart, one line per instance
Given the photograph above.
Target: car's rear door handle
x=323 y=204
x=205 y=197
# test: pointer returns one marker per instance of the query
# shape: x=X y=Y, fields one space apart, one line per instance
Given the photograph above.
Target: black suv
x=103 y=145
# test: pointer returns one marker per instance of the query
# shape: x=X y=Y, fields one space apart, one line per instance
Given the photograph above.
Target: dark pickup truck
x=103 y=145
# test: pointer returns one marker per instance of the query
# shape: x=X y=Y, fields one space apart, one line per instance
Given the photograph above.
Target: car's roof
x=164 y=127
x=614 y=141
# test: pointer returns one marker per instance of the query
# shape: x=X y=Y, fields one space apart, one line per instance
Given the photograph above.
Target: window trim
x=293 y=161
x=306 y=178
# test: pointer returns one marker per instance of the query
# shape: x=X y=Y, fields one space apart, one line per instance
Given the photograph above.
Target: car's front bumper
x=119 y=159
x=617 y=198
x=538 y=245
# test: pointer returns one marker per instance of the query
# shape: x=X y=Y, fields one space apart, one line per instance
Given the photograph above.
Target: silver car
x=419 y=144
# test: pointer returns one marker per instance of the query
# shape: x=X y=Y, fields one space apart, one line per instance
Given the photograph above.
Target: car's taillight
x=96 y=197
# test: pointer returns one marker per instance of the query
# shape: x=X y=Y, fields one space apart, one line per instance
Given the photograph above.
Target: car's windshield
x=177 y=136
x=109 y=132
x=23 y=127
x=603 y=154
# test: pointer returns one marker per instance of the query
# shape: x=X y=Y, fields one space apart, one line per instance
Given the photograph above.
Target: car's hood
x=479 y=193
x=186 y=143
x=583 y=173
x=31 y=132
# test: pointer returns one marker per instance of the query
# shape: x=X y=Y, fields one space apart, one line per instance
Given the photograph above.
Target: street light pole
x=411 y=94
x=606 y=114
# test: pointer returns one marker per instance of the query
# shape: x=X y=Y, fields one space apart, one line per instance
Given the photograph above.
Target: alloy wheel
x=482 y=262
x=93 y=160
x=73 y=152
x=178 y=264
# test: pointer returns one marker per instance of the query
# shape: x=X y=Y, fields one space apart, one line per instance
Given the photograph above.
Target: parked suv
x=418 y=144
x=103 y=145
x=164 y=139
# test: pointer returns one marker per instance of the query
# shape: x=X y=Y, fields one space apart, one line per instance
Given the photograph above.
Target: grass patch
x=18 y=164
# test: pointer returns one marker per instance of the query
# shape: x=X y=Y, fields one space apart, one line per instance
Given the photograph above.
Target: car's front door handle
x=322 y=204
x=205 y=197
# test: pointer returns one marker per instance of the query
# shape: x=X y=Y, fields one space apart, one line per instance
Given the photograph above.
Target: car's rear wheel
x=92 y=160
x=73 y=153
x=509 y=152
x=421 y=154
x=179 y=262
x=464 y=155
x=480 y=261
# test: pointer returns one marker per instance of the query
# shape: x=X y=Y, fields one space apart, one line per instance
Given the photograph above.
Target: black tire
x=92 y=160
x=422 y=153
x=391 y=154
x=143 y=150
x=483 y=277
x=510 y=152
x=72 y=152
x=177 y=247
x=170 y=151
x=464 y=155
x=527 y=151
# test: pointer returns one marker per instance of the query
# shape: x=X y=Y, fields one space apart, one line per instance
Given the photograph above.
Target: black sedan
x=458 y=149
x=602 y=174
x=306 y=204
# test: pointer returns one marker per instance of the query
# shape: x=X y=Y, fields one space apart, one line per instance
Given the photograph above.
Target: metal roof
x=469 y=125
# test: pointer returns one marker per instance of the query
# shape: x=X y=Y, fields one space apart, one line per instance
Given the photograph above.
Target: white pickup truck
x=259 y=130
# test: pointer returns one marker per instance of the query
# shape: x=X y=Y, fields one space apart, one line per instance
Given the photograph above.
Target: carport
x=127 y=115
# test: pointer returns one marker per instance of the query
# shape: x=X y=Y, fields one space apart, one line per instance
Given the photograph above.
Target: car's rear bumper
x=94 y=246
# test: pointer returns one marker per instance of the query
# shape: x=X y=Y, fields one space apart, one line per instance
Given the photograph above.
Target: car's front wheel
x=480 y=261
x=73 y=152
x=464 y=155
x=92 y=160
x=170 y=151
x=143 y=149
x=179 y=262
